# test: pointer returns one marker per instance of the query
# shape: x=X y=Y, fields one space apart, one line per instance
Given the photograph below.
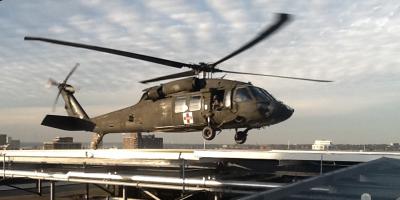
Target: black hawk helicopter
x=189 y=104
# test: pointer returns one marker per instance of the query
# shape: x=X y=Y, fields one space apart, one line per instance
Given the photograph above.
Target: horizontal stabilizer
x=68 y=123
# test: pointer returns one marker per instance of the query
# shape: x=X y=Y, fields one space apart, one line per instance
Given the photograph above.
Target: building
x=131 y=141
x=321 y=145
x=8 y=143
x=395 y=144
x=139 y=141
x=13 y=144
x=3 y=139
x=151 y=142
x=62 y=143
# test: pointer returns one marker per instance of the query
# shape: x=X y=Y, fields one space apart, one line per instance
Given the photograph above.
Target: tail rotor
x=63 y=86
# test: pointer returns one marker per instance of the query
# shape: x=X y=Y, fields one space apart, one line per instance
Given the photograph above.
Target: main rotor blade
x=171 y=76
x=70 y=73
x=275 y=76
x=282 y=18
x=51 y=82
x=160 y=61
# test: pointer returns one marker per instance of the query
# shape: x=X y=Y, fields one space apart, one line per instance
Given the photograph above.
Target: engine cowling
x=155 y=93
x=182 y=85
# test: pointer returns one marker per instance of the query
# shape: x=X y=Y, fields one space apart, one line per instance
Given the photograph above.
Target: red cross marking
x=187 y=118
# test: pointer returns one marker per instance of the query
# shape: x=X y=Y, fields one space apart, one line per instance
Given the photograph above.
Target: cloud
x=57 y=29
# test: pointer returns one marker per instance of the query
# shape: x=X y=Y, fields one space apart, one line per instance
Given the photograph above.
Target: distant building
x=13 y=144
x=152 y=142
x=62 y=143
x=321 y=145
x=131 y=141
x=8 y=143
x=139 y=141
x=394 y=144
x=3 y=139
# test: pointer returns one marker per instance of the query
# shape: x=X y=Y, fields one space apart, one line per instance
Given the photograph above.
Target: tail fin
x=72 y=106
x=68 y=123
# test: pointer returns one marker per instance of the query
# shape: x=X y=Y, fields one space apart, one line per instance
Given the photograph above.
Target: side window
x=180 y=104
x=242 y=94
x=195 y=103
x=131 y=118
x=228 y=99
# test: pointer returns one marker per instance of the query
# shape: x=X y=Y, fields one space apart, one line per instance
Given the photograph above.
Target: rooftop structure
x=62 y=143
x=13 y=144
x=321 y=145
x=139 y=141
x=3 y=139
x=9 y=143
x=214 y=174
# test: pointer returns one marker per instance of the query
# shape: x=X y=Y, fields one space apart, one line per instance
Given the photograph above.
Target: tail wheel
x=208 y=133
x=240 y=137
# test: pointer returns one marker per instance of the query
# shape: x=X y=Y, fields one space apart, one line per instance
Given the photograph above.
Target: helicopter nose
x=283 y=112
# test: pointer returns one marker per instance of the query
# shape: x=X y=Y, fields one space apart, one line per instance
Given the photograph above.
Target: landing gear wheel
x=240 y=137
x=208 y=133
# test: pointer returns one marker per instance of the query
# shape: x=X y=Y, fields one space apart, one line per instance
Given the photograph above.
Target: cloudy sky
x=354 y=43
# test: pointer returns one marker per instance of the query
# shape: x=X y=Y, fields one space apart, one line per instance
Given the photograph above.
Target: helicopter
x=196 y=102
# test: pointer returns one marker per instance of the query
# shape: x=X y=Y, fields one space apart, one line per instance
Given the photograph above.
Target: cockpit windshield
x=268 y=94
x=242 y=94
x=260 y=94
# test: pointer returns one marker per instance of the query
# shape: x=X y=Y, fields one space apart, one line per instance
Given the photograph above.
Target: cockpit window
x=260 y=94
x=268 y=94
x=242 y=94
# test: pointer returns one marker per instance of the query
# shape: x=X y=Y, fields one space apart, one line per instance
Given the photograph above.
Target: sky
x=354 y=43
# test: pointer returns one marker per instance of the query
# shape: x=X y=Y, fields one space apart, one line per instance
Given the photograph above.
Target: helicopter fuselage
x=223 y=104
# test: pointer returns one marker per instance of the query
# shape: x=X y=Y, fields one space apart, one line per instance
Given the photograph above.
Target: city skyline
x=352 y=43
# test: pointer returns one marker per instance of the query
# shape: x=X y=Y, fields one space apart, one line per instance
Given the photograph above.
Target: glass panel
x=242 y=94
x=268 y=94
x=180 y=105
x=228 y=99
x=258 y=94
x=195 y=103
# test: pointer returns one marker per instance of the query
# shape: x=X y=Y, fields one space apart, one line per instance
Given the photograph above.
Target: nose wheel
x=208 y=133
x=241 y=136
